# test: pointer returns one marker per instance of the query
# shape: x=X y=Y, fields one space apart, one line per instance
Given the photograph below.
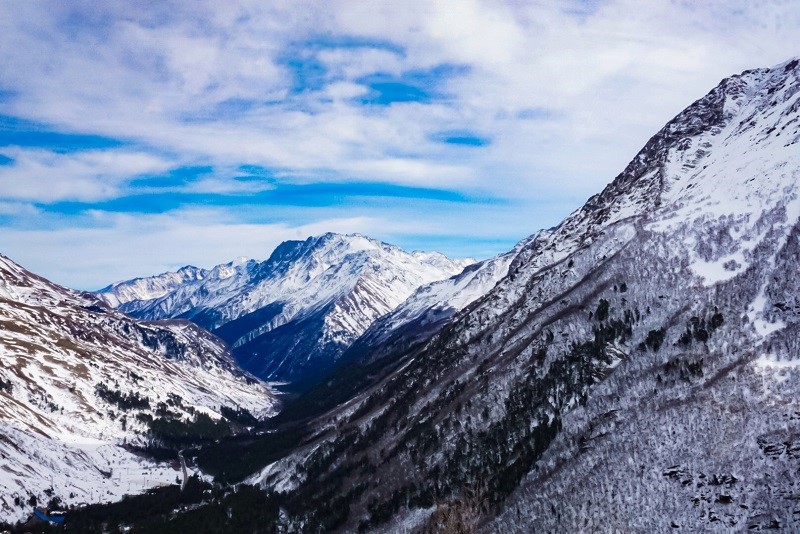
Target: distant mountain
x=145 y=289
x=79 y=379
x=429 y=308
x=290 y=317
x=637 y=370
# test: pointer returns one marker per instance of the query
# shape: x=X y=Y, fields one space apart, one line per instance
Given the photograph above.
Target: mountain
x=80 y=383
x=145 y=289
x=638 y=368
x=290 y=317
x=430 y=307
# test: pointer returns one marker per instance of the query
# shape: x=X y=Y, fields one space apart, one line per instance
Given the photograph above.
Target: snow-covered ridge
x=150 y=288
x=58 y=349
x=699 y=219
x=635 y=370
x=333 y=286
x=434 y=304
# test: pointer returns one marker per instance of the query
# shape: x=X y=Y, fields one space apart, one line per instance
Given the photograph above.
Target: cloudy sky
x=137 y=137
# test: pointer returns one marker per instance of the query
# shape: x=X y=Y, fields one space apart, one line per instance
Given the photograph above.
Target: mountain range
x=290 y=317
x=635 y=368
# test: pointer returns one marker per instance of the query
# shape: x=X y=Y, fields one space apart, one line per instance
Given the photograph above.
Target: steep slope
x=78 y=380
x=291 y=316
x=388 y=342
x=430 y=307
x=636 y=370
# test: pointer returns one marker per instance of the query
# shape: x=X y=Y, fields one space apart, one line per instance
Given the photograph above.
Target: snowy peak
x=317 y=253
x=310 y=297
x=743 y=115
x=331 y=249
x=724 y=155
x=17 y=284
x=150 y=288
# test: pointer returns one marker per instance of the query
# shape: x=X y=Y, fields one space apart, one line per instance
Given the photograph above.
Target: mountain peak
x=747 y=120
x=298 y=309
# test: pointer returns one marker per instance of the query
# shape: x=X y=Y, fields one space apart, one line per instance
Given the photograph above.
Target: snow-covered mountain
x=429 y=308
x=145 y=289
x=79 y=379
x=637 y=370
x=291 y=316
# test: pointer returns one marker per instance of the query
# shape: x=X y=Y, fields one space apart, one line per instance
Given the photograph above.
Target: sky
x=138 y=137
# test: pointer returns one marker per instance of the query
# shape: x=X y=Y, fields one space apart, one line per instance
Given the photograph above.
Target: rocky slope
x=638 y=368
x=291 y=316
x=78 y=380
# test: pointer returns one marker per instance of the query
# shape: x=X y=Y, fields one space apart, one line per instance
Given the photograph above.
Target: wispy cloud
x=45 y=176
x=112 y=106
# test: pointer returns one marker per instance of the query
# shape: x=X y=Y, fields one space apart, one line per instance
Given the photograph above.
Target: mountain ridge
x=312 y=298
x=666 y=293
x=80 y=382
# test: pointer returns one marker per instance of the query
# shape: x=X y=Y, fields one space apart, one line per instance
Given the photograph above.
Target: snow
x=56 y=347
x=77 y=469
x=755 y=313
x=355 y=278
x=770 y=361
x=720 y=270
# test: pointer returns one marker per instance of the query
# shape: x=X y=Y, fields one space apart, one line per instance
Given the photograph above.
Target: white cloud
x=353 y=63
x=45 y=176
x=617 y=71
x=566 y=92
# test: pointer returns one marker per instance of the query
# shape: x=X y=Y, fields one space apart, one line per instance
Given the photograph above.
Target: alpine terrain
x=82 y=386
x=637 y=369
x=390 y=341
x=290 y=317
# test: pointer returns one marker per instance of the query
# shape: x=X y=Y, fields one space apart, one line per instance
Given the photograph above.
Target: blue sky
x=138 y=139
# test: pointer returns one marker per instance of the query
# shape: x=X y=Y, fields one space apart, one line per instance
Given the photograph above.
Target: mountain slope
x=429 y=308
x=292 y=315
x=702 y=433
x=388 y=342
x=78 y=380
x=636 y=370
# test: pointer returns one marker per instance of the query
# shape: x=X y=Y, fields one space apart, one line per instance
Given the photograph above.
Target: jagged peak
x=642 y=178
x=743 y=113
x=190 y=269
x=338 y=246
